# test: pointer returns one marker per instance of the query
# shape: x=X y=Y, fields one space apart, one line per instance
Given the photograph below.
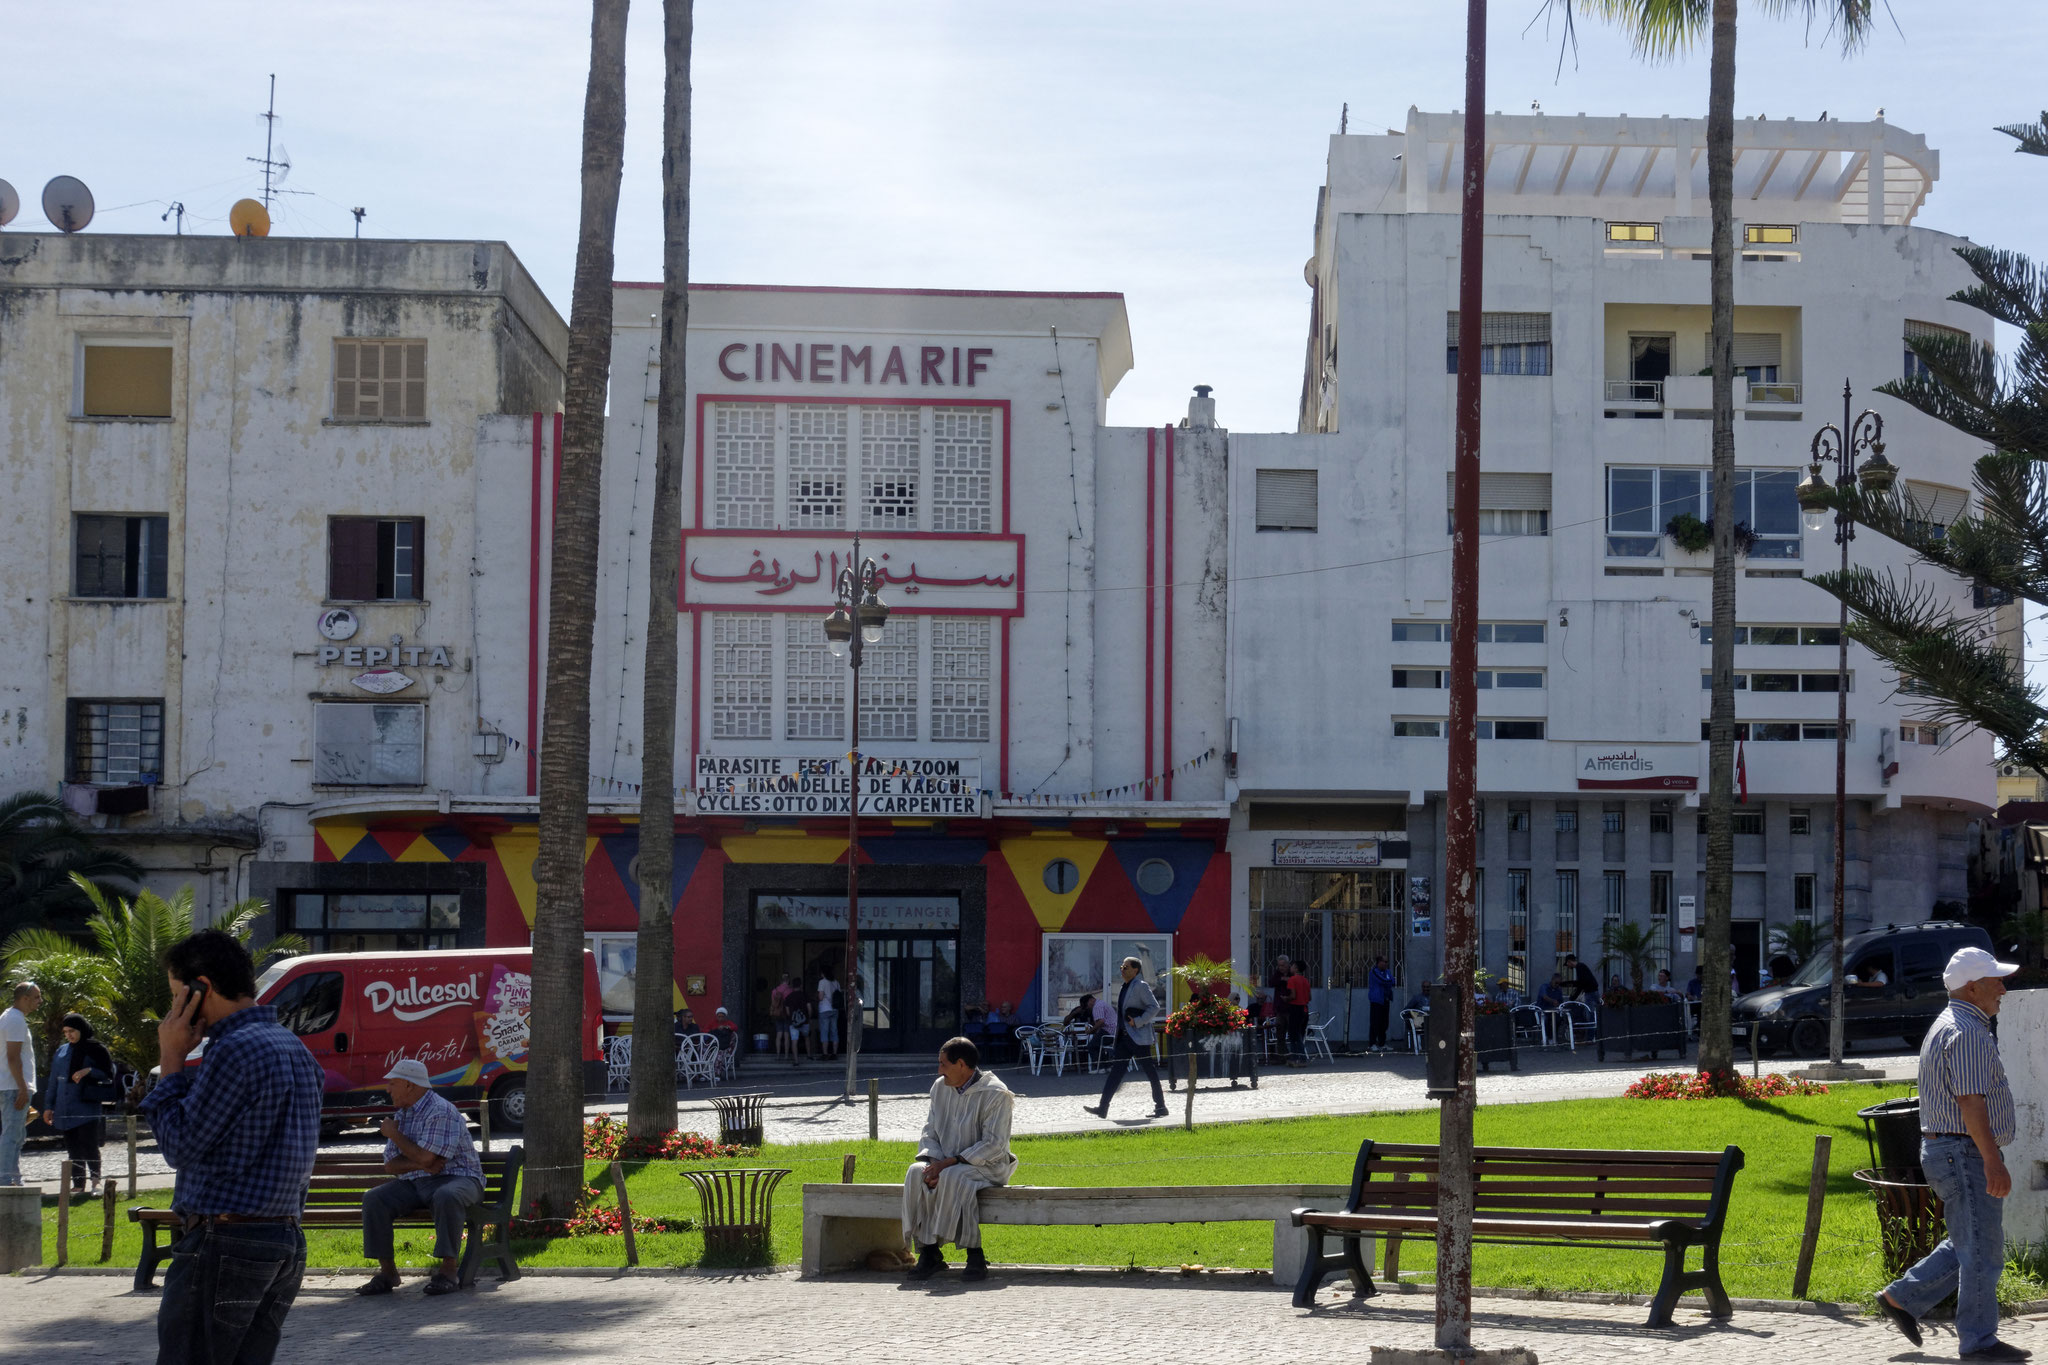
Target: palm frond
x=2032 y=137
x=2004 y=546
x=1848 y=21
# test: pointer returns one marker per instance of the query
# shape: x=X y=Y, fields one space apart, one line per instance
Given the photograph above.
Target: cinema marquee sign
x=774 y=784
x=1638 y=767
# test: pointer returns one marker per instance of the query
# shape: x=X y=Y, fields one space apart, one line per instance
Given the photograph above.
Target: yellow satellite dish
x=249 y=218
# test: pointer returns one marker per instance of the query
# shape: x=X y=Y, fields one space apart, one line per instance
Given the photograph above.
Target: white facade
x=184 y=426
x=1596 y=296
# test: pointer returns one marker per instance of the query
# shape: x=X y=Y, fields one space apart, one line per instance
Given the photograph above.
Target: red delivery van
x=464 y=1012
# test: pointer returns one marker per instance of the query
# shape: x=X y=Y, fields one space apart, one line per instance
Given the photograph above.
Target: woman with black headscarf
x=80 y=1063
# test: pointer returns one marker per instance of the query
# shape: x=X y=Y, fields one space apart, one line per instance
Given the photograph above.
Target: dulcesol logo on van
x=413 y=1001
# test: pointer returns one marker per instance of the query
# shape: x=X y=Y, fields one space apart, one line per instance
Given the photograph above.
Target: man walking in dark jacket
x=1379 y=997
x=1137 y=1009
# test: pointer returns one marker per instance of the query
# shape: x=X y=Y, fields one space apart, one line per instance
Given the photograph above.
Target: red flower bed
x=1696 y=1085
x=592 y=1219
x=1205 y=1016
x=604 y=1139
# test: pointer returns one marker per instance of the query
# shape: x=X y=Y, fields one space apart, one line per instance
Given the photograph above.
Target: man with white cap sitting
x=1966 y=1115
x=428 y=1147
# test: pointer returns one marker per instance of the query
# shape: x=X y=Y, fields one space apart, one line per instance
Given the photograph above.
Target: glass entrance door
x=914 y=992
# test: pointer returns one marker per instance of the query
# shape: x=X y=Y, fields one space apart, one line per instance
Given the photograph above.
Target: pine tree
x=1952 y=662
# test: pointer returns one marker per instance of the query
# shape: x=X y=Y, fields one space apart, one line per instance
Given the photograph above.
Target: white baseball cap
x=411 y=1069
x=1973 y=964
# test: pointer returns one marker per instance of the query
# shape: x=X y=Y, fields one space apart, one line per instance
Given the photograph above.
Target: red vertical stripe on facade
x=533 y=627
x=1151 y=498
x=1003 y=715
x=1166 y=702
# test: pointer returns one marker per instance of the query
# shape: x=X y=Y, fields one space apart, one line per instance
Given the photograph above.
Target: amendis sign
x=1638 y=767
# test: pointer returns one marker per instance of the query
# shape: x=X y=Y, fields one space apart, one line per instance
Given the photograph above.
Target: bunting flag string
x=604 y=784
x=1141 y=790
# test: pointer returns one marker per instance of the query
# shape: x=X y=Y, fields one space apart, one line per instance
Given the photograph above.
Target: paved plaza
x=1016 y=1318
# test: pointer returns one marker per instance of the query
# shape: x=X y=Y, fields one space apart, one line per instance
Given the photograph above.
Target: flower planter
x=1636 y=1030
x=1494 y=1041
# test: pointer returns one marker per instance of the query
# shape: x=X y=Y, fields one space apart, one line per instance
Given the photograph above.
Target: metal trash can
x=1892 y=1130
x=738 y=1206
x=1910 y=1221
x=739 y=1118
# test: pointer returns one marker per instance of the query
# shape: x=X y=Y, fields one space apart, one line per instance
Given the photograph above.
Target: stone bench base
x=843 y=1224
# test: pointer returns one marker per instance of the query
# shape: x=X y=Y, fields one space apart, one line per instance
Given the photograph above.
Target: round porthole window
x=1062 y=878
x=633 y=872
x=1155 y=876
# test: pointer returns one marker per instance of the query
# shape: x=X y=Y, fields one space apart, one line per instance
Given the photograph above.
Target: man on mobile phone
x=242 y=1137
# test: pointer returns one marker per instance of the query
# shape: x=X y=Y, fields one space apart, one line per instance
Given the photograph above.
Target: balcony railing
x=1635 y=391
x=1774 y=393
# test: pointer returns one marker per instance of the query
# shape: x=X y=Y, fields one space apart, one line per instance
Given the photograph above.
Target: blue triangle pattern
x=1188 y=858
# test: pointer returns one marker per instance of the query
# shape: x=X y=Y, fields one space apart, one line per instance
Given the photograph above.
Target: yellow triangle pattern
x=516 y=856
x=1028 y=857
x=794 y=847
x=421 y=850
x=341 y=837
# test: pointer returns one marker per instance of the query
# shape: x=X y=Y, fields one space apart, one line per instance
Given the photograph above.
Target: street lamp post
x=855 y=621
x=1861 y=439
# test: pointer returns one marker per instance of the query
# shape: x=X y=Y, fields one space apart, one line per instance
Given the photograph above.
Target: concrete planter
x=1633 y=1030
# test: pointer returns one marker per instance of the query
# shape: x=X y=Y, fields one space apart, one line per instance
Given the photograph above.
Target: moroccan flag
x=1741 y=775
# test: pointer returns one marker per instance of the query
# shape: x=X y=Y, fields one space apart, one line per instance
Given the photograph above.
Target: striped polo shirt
x=1960 y=1057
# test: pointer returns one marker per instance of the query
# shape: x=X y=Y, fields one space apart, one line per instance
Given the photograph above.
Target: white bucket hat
x=411 y=1069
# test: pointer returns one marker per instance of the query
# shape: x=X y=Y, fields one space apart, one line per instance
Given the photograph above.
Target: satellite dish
x=249 y=218
x=10 y=203
x=67 y=203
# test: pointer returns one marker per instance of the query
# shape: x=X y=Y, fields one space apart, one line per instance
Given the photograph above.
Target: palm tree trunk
x=651 y=1107
x=1716 y=1049
x=554 y=1067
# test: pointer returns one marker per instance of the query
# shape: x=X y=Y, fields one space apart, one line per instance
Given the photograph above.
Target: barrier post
x=1816 y=1194
x=625 y=1215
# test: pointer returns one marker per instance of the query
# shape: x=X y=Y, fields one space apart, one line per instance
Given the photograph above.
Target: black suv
x=1892 y=989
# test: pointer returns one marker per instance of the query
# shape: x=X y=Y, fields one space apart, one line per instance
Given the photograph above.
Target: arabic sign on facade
x=780 y=785
x=1638 y=767
x=939 y=913
x=795 y=571
x=1326 y=853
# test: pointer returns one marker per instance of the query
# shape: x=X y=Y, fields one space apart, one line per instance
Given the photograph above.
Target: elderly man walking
x=427 y=1146
x=1966 y=1115
x=965 y=1148
x=1137 y=1009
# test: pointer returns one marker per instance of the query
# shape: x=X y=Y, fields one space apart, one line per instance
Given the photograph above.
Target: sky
x=1169 y=151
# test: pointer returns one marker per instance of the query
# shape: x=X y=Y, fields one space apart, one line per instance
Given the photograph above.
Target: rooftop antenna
x=1344 y=120
x=179 y=209
x=281 y=164
x=359 y=212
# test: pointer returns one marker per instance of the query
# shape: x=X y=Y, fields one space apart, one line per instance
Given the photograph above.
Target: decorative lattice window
x=960 y=678
x=815 y=682
x=817 y=468
x=888 y=685
x=888 y=468
x=743 y=465
x=742 y=675
x=963 y=468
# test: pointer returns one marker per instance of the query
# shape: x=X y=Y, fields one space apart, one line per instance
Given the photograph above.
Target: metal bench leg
x=1314 y=1265
x=145 y=1264
x=1672 y=1286
x=1710 y=1281
x=508 y=1269
x=472 y=1248
x=1360 y=1265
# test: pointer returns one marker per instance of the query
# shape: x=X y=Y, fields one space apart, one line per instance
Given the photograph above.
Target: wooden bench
x=335 y=1200
x=1536 y=1196
x=844 y=1223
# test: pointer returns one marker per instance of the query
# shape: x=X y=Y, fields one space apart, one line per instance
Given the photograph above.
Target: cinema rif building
x=1041 y=717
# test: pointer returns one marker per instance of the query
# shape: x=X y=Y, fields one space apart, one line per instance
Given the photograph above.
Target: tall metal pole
x=1845 y=531
x=1454 y=1132
x=850 y=996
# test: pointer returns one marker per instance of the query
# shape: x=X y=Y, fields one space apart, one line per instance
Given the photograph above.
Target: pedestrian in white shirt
x=828 y=1014
x=17 y=1077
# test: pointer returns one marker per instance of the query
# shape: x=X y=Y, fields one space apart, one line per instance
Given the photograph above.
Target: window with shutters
x=369 y=744
x=1284 y=499
x=114 y=743
x=128 y=380
x=1509 y=343
x=379 y=380
x=960 y=678
x=1641 y=504
x=1935 y=508
x=1633 y=232
x=743 y=465
x=1915 y=367
x=814 y=699
x=1770 y=234
x=888 y=468
x=1509 y=504
x=742 y=675
x=120 y=556
x=375 y=559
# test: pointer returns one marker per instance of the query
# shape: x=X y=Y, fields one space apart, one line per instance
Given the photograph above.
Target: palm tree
x=40 y=849
x=74 y=979
x=554 y=1120
x=1630 y=944
x=651 y=1104
x=1797 y=939
x=1661 y=30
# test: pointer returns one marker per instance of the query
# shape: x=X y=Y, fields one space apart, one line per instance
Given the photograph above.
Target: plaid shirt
x=1960 y=1057
x=243 y=1129
x=438 y=1126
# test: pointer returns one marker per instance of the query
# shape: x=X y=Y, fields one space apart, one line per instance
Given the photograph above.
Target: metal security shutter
x=1936 y=503
x=1504 y=329
x=1753 y=348
x=1285 y=500
x=1498 y=492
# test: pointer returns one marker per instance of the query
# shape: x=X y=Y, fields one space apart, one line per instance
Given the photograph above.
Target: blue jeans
x=828 y=1028
x=1969 y=1263
x=13 y=1128
x=227 y=1293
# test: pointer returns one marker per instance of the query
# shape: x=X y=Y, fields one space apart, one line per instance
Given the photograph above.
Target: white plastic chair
x=1317 y=1039
x=618 y=1061
x=1576 y=1015
x=1031 y=1047
x=1417 y=1022
x=1526 y=1020
x=697 y=1059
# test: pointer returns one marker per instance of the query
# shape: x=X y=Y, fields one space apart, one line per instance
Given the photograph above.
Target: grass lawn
x=1766 y=1217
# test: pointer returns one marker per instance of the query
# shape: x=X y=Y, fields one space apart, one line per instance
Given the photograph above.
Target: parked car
x=1891 y=989
x=464 y=1012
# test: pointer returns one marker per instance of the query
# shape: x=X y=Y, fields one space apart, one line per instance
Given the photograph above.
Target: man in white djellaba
x=965 y=1147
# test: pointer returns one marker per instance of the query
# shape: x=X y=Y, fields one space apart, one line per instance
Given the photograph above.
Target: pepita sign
x=413 y=1001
